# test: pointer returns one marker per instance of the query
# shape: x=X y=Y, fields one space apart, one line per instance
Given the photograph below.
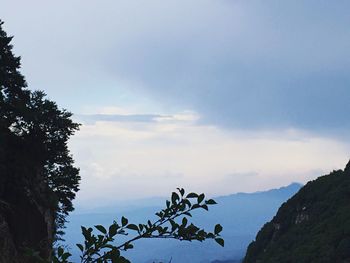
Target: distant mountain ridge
x=283 y=191
x=313 y=226
x=241 y=215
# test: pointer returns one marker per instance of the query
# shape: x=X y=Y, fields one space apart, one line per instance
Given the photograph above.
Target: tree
x=50 y=128
x=36 y=169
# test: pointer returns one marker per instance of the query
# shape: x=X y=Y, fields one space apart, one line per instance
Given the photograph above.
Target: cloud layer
x=129 y=160
x=240 y=64
x=212 y=95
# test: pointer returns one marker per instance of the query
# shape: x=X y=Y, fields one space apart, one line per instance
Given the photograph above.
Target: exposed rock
x=8 y=252
x=25 y=223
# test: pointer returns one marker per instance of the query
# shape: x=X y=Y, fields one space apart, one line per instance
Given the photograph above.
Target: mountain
x=313 y=226
x=241 y=216
x=226 y=261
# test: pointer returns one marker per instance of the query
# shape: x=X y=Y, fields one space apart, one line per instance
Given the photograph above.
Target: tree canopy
x=35 y=162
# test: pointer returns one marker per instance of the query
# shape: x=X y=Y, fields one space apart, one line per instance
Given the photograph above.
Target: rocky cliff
x=25 y=223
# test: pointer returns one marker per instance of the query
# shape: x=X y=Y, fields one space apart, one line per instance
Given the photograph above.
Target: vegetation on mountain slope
x=312 y=226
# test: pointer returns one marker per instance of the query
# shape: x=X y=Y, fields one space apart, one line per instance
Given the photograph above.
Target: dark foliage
x=35 y=163
x=313 y=226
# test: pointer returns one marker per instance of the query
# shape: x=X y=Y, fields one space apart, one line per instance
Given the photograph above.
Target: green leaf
x=195 y=206
x=81 y=247
x=112 y=231
x=115 y=253
x=220 y=241
x=200 y=198
x=101 y=229
x=132 y=227
x=182 y=191
x=187 y=202
x=218 y=229
x=173 y=225
x=84 y=231
x=60 y=251
x=124 y=221
x=211 y=202
x=205 y=207
x=65 y=256
x=192 y=195
x=174 y=197
x=128 y=246
x=184 y=221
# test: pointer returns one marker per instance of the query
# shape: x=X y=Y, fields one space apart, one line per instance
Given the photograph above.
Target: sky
x=216 y=96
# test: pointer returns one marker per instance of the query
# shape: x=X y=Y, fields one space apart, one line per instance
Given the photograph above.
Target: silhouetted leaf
x=101 y=229
x=124 y=221
x=218 y=229
x=192 y=195
x=112 y=231
x=132 y=227
x=210 y=202
x=81 y=247
x=200 y=198
x=220 y=241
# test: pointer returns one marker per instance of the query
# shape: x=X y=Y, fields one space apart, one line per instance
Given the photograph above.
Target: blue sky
x=217 y=96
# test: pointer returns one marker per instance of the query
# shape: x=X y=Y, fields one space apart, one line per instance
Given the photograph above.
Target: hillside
x=313 y=226
x=241 y=215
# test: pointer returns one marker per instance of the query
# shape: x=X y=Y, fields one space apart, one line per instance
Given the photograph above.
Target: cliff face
x=8 y=251
x=312 y=226
x=25 y=223
x=23 y=226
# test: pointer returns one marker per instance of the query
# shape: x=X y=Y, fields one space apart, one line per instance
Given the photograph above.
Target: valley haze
x=241 y=216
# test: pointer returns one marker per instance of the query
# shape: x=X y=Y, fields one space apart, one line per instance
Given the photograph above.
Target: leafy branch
x=172 y=222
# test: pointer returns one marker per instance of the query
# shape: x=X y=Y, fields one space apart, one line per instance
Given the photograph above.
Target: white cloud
x=122 y=160
x=239 y=64
x=188 y=116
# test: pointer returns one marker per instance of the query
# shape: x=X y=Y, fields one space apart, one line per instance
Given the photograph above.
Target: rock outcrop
x=25 y=223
